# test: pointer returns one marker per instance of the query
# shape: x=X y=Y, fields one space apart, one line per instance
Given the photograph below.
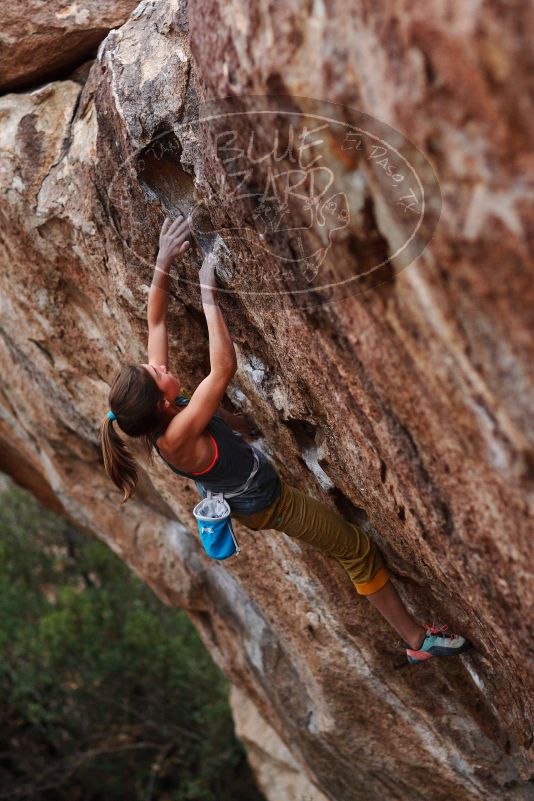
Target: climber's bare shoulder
x=192 y=421
x=176 y=441
x=190 y=455
x=186 y=436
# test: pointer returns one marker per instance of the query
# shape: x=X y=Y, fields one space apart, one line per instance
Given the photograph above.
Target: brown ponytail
x=119 y=462
x=133 y=398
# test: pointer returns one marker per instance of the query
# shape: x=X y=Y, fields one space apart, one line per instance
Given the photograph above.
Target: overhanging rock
x=402 y=402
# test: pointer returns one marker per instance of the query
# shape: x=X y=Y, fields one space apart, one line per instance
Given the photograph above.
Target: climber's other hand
x=241 y=424
x=174 y=238
x=206 y=274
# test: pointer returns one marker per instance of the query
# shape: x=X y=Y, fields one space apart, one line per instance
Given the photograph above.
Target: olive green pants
x=308 y=520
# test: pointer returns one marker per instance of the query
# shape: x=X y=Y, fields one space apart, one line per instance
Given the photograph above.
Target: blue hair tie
x=112 y=415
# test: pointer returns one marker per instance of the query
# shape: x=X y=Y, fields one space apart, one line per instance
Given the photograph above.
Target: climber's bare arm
x=206 y=399
x=173 y=241
x=190 y=424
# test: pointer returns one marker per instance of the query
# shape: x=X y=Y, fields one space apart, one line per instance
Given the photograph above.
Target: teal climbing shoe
x=437 y=643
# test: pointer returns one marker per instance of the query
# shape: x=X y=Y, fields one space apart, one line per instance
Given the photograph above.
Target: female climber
x=200 y=440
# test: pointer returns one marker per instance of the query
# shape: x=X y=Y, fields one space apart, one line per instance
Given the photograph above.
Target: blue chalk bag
x=213 y=516
x=214 y=523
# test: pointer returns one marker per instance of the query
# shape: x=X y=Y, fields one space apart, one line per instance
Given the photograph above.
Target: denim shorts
x=262 y=491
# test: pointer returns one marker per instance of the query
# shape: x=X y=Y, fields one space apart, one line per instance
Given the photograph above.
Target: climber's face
x=169 y=385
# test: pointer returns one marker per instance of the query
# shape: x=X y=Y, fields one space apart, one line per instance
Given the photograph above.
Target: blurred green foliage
x=105 y=692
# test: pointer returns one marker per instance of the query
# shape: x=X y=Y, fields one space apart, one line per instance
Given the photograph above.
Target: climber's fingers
x=179 y=223
x=178 y=248
x=174 y=225
x=165 y=226
x=179 y=242
x=181 y=230
x=179 y=234
x=174 y=240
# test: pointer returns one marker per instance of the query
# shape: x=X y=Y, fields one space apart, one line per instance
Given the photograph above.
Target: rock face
x=277 y=773
x=402 y=401
x=43 y=39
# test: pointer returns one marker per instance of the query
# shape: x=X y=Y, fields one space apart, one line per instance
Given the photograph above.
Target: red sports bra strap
x=213 y=461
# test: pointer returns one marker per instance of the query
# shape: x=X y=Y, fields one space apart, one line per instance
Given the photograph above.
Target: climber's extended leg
x=307 y=519
x=302 y=517
x=390 y=606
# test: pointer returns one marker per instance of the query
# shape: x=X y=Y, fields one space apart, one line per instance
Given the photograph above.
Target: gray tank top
x=231 y=466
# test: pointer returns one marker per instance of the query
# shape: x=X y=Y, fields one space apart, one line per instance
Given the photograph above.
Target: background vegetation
x=105 y=693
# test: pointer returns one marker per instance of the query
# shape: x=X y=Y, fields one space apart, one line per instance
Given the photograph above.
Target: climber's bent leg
x=309 y=520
